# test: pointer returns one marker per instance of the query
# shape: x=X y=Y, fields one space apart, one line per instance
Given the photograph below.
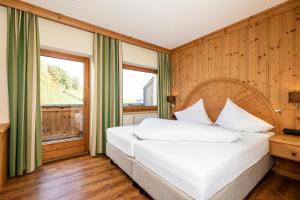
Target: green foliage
x=75 y=83
x=62 y=77
x=57 y=86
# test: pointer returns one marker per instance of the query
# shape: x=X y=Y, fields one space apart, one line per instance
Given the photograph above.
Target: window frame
x=133 y=109
x=69 y=147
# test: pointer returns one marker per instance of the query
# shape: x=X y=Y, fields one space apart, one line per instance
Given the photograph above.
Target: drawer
x=285 y=151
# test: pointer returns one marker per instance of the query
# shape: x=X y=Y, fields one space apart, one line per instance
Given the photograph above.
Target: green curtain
x=164 y=85
x=23 y=54
x=106 y=106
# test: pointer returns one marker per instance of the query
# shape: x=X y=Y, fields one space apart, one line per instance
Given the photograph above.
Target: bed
x=120 y=147
x=199 y=170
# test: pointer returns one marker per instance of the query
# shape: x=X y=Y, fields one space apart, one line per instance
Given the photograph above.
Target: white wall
x=60 y=37
x=4 y=116
x=139 y=56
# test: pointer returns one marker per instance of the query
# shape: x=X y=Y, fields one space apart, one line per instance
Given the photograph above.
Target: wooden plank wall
x=263 y=51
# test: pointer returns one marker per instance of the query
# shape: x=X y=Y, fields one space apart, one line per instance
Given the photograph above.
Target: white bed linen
x=122 y=138
x=174 y=130
x=201 y=169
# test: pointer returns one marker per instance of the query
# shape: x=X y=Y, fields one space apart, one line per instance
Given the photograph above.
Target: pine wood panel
x=89 y=177
x=263 y=53
x=297 y=60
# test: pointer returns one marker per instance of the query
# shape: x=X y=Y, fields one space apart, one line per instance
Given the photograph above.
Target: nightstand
x=286 y=149
x=285 y=146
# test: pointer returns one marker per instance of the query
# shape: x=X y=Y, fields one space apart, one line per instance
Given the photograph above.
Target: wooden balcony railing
x=61 y=122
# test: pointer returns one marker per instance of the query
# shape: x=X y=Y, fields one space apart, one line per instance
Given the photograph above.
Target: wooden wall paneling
x=274 y=26
x=279 y=9
x=233 y=54
x=205 y=73
x=226 y=55
x=218 y=58
x=221 y=69
x=252 y=54
x=262 y=74
x=297 y=60
x=243 y=44
x=263 y=51
x=211 y=58
x=190 y=63
x=199 y=54
x=260 y=54
x=287 y=68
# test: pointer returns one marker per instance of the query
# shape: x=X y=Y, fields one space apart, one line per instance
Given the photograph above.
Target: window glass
x=62 y=97
x=61 y=81
x=139 y=88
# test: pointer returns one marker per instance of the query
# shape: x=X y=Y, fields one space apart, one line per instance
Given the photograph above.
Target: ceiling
x=167 y=23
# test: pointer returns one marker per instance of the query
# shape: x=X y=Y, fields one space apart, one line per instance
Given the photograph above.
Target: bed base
x=119 y=158
x=160 y=189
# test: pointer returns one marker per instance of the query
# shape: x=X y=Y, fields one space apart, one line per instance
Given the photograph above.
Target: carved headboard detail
x=216 y=91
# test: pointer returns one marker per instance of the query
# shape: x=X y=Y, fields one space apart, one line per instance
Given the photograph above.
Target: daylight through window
x=139 y=88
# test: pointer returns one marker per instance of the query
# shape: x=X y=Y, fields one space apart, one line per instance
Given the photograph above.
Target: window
x=139 y=89
x=64 y=83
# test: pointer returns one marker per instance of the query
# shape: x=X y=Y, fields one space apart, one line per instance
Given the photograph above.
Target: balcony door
x=64 y=86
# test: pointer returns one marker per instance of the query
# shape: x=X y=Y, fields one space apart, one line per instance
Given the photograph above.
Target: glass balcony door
x=64 y=83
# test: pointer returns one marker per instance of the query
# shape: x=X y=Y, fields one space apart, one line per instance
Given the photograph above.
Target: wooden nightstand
x=285 y=146
x=286 y=149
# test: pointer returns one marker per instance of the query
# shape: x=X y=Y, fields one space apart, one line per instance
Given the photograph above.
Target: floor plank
x=91 y=178
x=276 y=187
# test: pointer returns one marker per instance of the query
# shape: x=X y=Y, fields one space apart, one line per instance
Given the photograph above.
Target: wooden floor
x=96 y=178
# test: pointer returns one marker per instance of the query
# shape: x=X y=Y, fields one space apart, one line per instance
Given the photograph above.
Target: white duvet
x=173 y=130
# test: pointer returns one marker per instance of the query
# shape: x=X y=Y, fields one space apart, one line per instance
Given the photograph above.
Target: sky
x=133 y=83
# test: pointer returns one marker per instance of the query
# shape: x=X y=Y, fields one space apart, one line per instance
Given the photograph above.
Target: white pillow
x=235 y=118
x=195 y=113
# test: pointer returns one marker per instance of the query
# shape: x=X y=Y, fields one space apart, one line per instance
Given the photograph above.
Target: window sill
x=134 y=109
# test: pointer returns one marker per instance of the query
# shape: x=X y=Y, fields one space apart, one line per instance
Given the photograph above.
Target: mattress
x=122 y=138
x=201 y=169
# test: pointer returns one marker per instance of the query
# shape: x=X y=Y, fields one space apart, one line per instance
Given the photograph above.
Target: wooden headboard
x=216 y=91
